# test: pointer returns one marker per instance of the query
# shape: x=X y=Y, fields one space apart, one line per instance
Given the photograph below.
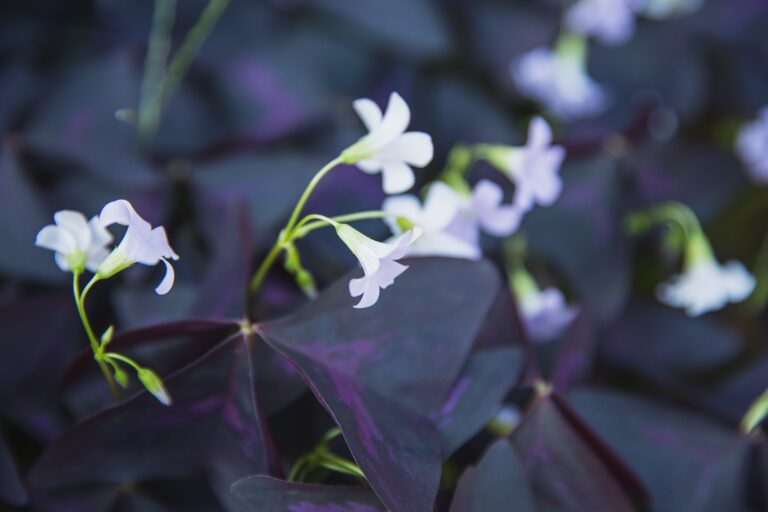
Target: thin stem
x=95 y=347
x=308 y=191
x=303 y=228
x=263 y=269
x=183 y=58
x=130 y=362
x=158 y=50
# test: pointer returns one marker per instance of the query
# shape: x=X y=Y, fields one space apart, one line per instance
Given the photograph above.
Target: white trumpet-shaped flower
x=141 y=244
x=705 y=285
x=436 y=217
x=79 y=244
x=560 y=83
x=388 y=148
x=612 y=22
x=533 y=168
x=378 y=259
x=752 y=146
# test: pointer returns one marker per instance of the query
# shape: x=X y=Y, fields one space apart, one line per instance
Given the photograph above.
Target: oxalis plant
x=434 y=358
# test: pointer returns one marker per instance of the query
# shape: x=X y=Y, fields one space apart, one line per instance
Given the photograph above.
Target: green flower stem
x=95 y=346
x=321 y=457
x=126 y=360
x=305 y=227
x=181 y=62
x=756 y=413
x=158 y=50
x=286 y=235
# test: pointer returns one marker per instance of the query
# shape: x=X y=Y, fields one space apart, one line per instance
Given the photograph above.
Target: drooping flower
x=752 y=146
x=559 y=82
x=378 y=259
x=707 y=286
x=388 y=148
x=612 y=22
x=545 y=313
x=79 y=244
x=439 y=211
x=141 y=244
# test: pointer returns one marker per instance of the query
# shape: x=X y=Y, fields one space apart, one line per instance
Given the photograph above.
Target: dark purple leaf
x=582 y=234
x=12 y=491
x=477 y=395
x=266 y=494
x=497 y=483
x=382 y=370
x=77 y=121
x=568 y=467
x=686 y=462
x=215 y=424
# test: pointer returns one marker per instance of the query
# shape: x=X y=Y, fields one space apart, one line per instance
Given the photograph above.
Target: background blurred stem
x=158 y=49
x=162 y=93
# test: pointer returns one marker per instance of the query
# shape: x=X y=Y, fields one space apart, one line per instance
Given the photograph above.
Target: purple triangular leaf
x=685 y=461
x=214 y=424
x=497 y=483
x=265 y=494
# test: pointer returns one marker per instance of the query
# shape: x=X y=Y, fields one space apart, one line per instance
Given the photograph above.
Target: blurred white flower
x=154 y=384
x=535 y=168
x=79 y=243
x=752 y=146
x=661 y=9
x=439 y=211
x=705 y=285
x=484 y=209
x=378 y=260
x=505 y=421
x=612 y=22
x=141 y=244
x=559 y=82
x=388 y=148
x=546 y=314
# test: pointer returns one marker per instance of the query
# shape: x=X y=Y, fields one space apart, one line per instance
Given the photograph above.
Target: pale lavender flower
x=378 y=260
x=388 y=149
x=535 y=168
x=435 y=216
x=141 y=244
x=559 y=82
x=78 y=243
x=705 y=285
x=752 y=146
x=612 y=22
x=546 y=314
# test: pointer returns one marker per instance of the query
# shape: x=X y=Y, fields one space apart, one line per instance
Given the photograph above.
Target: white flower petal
x=413 y=148
x=406 y=206
x=369 y=113
x=76 y=225
x=117 y=212
x=56 y=239
x=369 y=166
x=441 y=205
x=738 y=281
x=397 y=177
x=99 y=235
x=388 y=271
x=395 y=121
x=61 y=261
x=495 y=219
x=539 y=133
x=167 y=283
x=95 y=258
x=369 y=289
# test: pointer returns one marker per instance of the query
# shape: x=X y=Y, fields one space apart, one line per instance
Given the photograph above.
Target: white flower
x=78 y=243
x=378 y=261
x=546 y=314
x=752 y=146
x=505 y=421
x=559 y=83
x=141 y=244
x=535 y=168
x=612 y=22
x=440 y=209
x=388 y=148
x=705 y=286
